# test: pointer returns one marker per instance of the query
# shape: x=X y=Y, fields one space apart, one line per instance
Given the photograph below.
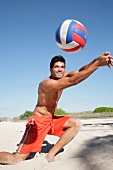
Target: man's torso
x=47 y=100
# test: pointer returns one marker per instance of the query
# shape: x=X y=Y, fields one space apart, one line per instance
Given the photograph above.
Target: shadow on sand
x=46 y=146
x=97 y=153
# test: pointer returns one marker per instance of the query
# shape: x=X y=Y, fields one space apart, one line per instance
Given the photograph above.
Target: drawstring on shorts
x=26 y=135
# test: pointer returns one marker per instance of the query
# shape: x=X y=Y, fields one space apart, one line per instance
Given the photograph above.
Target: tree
x=26 y=115
x=60 y=112
x=103 y=109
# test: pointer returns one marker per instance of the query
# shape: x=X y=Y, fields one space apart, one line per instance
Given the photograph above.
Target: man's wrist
x=96 y=61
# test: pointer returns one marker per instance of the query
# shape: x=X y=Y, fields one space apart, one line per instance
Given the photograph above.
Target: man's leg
x=71 y=127
x=9 y=158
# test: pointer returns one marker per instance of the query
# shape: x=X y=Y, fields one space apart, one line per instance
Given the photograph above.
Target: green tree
x=60 y=112
x=103 y=109
x=26 y=115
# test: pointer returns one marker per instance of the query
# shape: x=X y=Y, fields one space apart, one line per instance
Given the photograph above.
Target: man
x=43 y=121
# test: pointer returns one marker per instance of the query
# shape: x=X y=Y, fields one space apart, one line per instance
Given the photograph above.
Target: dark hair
x=56 y=59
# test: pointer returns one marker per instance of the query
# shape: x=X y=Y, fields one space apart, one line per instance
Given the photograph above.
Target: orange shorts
x=36 y=130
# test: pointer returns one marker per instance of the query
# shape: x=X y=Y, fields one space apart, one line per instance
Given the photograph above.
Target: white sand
x=91 y=149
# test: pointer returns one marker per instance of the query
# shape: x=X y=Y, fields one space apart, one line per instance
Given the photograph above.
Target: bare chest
x=54 y=97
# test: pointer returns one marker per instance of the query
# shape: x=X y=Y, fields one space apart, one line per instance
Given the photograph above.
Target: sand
x=91 y=149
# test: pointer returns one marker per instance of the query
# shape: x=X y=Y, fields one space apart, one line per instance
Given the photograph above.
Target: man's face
x=58 y=70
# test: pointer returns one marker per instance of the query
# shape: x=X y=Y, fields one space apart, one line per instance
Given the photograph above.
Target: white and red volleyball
x=71 y=35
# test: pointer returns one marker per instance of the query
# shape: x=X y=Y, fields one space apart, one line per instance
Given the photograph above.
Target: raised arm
x=75 y=77
x=84 y=72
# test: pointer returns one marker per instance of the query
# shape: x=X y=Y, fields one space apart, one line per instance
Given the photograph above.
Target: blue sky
x=27 y=44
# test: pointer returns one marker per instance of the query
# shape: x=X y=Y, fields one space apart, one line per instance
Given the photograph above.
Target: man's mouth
x=59 y=73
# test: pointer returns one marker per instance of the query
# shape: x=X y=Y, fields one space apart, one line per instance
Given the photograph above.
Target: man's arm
x=84 y=72
x=77 y=76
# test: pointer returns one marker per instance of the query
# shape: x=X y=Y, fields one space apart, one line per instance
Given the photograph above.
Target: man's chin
x=59 y=77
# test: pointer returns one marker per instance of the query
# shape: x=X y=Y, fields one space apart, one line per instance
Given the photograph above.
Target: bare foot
x=49 y=157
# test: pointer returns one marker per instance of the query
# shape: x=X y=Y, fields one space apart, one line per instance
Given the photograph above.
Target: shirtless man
x=43 y=121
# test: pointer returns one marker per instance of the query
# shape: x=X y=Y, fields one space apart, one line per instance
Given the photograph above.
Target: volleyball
x=71 y=35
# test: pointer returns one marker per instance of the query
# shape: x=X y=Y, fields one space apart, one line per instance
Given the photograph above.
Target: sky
x=27 y=44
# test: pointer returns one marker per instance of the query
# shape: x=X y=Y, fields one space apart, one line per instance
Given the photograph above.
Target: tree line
x=60 y=111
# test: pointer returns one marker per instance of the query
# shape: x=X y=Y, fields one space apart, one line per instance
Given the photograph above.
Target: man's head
x=57 y=67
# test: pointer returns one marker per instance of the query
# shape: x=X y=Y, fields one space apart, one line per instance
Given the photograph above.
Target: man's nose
x=60 y=69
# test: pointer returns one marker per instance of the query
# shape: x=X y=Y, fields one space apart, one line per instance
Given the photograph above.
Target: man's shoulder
x=45 y=81
x=66 y=74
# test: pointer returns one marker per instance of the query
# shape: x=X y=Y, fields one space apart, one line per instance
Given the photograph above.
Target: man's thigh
x=72 y=121
x=58 y=125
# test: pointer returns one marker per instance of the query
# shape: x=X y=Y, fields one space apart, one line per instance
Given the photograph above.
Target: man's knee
x=73 y=123
x=76 y=123
x=79 y=124
x=19 y=157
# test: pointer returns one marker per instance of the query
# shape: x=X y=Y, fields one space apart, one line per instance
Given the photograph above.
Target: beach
x=91 y=149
